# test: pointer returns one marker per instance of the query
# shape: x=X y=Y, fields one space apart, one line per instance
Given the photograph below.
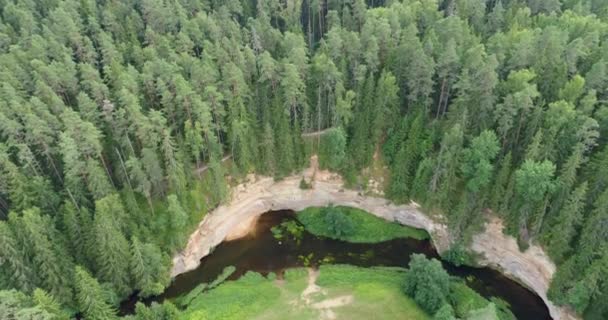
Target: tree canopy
x=120 y=120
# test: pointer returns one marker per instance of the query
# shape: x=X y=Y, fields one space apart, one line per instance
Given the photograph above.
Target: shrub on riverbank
x=354 y=225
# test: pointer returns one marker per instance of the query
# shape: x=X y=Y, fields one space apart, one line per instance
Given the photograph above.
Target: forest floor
x=257 y=195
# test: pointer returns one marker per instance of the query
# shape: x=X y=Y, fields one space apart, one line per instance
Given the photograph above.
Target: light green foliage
x=354 y=225
x=374 y=290
x=533 y=182
x=288 y=229
x=465 y=300
x=573 y=89
x=49 y=304
x=477 y=160
x=486 y=313
x=446 y=312
x=164 y=311
x=235 y=300
x=427 y=283
x=16 y=305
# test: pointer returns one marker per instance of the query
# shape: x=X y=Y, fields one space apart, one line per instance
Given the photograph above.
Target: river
x=262 y=252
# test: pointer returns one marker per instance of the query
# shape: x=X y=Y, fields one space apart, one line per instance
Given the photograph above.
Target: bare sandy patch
x=243 y=229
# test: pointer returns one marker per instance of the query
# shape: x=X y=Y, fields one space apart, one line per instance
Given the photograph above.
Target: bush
x=305 y=185
x=459 y=255
x=427 y=282
x=338 y=223
x=446 y=312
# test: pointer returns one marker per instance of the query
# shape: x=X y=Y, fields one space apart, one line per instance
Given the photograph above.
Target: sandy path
x=258 y=195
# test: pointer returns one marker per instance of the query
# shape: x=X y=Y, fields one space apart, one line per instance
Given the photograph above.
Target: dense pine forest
x=116 y=116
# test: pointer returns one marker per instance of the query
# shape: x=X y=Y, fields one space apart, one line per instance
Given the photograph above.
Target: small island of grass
x=354 y=225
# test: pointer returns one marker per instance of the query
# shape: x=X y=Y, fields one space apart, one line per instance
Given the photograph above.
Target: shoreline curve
x=532 y=268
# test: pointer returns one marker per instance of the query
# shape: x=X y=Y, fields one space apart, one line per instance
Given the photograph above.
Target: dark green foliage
x=338 y=224
x=459 y=255
x=111 y=246
x=48 y=255
x=332 y=149
x=304 y=185
x=91 y=298
x=427 y=283
x=147 y=267
x=178 y=219
x=15 y=267
x=405 y=161
x=473 y=105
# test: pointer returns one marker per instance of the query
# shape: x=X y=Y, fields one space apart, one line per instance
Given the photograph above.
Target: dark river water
x=262 y=252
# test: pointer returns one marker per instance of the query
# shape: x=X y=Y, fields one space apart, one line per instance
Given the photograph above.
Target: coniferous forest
x=123 y=122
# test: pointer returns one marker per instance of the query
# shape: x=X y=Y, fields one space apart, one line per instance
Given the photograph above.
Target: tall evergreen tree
x=111 y=246
x=91 y=298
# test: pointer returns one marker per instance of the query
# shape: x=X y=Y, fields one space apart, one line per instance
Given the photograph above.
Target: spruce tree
x=111 y=247
x=49 y=304
x=147 y=268
x=91 y=298
x=14 y=261
x=559 y=243
x=49 y=255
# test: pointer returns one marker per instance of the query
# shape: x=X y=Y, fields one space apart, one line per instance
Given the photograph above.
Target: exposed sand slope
x=261 y=194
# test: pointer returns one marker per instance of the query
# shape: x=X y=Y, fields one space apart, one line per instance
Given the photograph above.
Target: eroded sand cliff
x=261 y=194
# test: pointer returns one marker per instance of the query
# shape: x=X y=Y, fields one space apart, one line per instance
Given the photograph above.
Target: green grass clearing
x=346 y=292
x=366 y=228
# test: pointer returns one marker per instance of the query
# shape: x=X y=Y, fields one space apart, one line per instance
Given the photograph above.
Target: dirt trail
x=326 y=306
x=312 y=287
x=260 y=194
